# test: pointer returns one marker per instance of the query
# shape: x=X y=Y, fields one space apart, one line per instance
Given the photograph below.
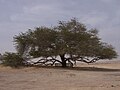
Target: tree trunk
x=63 y=61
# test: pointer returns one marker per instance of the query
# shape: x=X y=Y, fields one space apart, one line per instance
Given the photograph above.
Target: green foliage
x=12 y=60
x=107 y=52
x=22 y=42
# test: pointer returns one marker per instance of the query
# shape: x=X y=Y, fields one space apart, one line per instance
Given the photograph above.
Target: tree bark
x=63 y=61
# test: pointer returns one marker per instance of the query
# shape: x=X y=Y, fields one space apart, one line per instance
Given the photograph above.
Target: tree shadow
x=95 y=69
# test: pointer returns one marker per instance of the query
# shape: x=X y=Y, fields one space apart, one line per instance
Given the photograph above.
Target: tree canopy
x=70 y=40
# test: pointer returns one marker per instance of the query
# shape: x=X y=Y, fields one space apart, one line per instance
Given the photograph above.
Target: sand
x=98 y=76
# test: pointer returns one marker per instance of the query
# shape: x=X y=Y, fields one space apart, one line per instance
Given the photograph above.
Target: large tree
x=70 y=40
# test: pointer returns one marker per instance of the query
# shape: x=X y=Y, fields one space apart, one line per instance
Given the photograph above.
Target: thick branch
x=87 y=60
x=45 y=61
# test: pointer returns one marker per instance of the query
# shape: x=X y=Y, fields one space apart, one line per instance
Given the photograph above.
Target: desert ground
x=97 y=76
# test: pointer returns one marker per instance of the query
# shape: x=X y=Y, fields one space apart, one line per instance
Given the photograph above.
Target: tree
x=70 y=40
x=0 y=58
x=12 y=59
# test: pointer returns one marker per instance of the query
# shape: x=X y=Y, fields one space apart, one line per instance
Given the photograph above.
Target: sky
x=20 y=15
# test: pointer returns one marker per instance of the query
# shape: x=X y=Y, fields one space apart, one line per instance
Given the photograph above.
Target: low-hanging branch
x=51 y=61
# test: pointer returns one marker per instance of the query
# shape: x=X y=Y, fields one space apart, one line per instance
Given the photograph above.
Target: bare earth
x=99 y=76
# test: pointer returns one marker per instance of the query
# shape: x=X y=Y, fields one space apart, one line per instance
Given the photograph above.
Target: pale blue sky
x=19 y=15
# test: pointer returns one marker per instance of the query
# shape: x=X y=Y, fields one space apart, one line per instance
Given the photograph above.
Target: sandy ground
x=99 y=76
